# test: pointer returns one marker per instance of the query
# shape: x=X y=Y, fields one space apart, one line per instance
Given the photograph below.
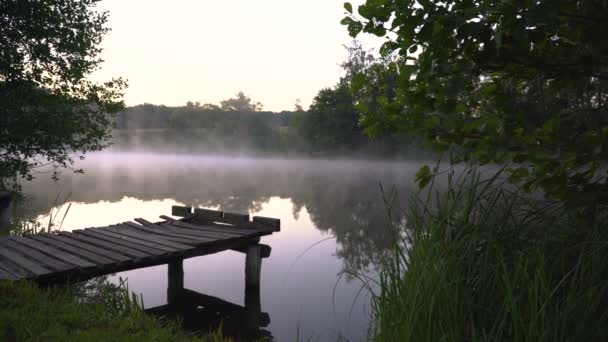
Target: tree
x=500 y=82
x=48 y=110
x=240 y=103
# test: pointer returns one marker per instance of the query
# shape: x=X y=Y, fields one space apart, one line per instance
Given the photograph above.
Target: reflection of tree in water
x=342 y=197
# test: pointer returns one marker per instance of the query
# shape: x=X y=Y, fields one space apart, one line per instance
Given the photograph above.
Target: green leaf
x=348 y=7
x=424 y=176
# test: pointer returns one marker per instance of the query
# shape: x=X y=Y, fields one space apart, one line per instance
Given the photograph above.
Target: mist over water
x=333 y=219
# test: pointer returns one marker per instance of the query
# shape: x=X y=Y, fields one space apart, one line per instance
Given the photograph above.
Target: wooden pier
x=86 y=253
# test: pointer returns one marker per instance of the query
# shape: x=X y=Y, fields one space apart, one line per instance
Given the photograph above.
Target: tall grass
x=482 y=262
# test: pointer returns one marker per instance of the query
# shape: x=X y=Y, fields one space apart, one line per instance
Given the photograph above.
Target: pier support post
x=175 y=277
x=253 y=266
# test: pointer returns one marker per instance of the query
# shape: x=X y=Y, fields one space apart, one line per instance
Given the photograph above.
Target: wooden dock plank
x=167 y=228
x=203 y=233
x=14 y=269
x=4 y=274
x=56 y=253
x=23 y=262
x=84 y=248
x=131 y=247
x=80 y=253
x=40 y=258
x=135 y=238
x=108 y=245
x=69 y=256
x=227 y=230
x=165 y=235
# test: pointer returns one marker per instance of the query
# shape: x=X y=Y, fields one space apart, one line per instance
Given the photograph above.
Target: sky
x=275 y=51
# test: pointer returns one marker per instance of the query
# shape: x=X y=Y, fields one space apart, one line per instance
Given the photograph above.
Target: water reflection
x=200 y=314
x=343 y=198
x=336 y=202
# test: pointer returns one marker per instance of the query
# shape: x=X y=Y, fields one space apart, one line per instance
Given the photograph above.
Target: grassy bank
x=95 y=313
x=482 y=263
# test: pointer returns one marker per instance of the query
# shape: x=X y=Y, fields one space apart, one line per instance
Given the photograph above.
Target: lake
x=333 y=227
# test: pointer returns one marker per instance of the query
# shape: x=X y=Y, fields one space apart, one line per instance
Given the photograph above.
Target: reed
x=480 y=261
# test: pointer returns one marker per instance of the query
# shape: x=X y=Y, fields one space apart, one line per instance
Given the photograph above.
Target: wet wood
x=108 y=245
x=42 y=259
x=207 y=215
x=181 y=211
x=82 y=254
x=83 y=248
x=24 y=262
x=56 y=253
x=253 y=266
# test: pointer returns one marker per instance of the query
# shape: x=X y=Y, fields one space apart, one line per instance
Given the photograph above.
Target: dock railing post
x=253 y=306
x=6 y=208
x=175 y=277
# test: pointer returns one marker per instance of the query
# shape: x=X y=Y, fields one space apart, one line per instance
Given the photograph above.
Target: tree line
x=330 y=126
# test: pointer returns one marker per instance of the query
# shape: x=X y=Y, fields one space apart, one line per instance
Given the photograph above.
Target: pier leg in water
x=253 y=307
x=175 y=280
x=253 y=266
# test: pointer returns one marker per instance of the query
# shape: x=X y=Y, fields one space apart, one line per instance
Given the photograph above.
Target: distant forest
x=329 y=128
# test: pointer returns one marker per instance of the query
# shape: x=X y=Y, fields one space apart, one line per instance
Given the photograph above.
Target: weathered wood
x=197 y=228
x=56 y=253
x=69 y=240
x=5 y=274
x=165 y=231
x=14 y=269
x=175 y=278
x=43 y=259
x=166 y=235
x=236 y=219
x=154 y=241
x=79 y=252
x=267 y=223
x=203 y=233
x=208 y=215
x=181 y=211
x=122 y=241
x=23 y=262
x=108 y=245
x=253 y=266
x=264 y=250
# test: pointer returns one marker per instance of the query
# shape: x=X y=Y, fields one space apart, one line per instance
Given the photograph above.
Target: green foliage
x=29 y=313
x=481 y=263
x=240 y=103
x=48 y=109
x=497 y=81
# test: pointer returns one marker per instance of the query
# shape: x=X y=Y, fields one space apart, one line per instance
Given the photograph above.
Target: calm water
x=332 y=218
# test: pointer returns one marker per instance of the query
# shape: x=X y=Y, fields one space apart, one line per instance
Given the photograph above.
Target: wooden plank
x=236 y=219
x=86 y=247
x=130 y=247
x=195 y=227
x=14 y=269
x=108 y=245
x=178 y=210
x=4 y=274
x=24 y=262
x=81 y=253
x=267 y=223
x=265 y=250
x=58 y=254
x=167 y=234
x=152 y=239
x=208 y=215
x=41 y=258
x=209 y=234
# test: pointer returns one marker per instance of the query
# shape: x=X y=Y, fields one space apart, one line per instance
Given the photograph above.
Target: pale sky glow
x=276 y=51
